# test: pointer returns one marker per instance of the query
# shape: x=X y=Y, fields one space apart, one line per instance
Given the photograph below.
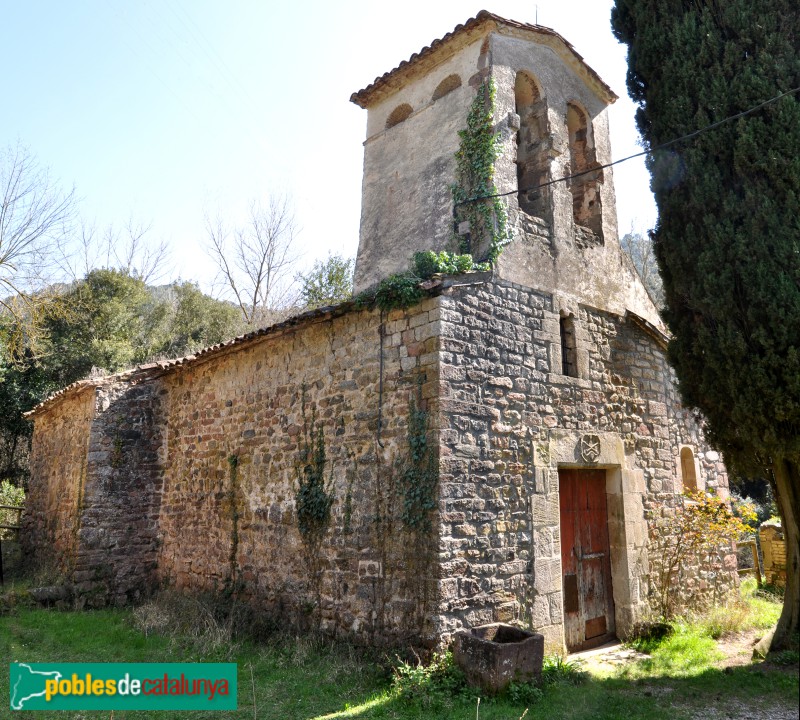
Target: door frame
x=609 y=591
x=628 y=529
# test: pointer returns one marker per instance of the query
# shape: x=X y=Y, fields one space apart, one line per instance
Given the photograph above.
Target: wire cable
x=663 y=145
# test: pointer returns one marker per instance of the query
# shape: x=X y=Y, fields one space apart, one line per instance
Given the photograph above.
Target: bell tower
x=550 y=118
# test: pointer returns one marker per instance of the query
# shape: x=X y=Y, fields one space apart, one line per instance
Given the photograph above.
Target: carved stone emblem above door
x=590 y=448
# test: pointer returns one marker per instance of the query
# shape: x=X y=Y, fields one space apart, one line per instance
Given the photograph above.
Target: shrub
x=10 y=495
x=687 y=535
x=429 y=263
x=400 y=290
x=436 y=683
x=524 y=693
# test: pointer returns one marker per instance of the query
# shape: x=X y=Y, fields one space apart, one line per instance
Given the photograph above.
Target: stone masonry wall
x=115 y=558
x=186 y=473
x=51 y=521
x=510 y=419
x=235 y=431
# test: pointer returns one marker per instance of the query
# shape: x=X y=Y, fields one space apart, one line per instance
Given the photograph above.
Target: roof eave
x=482 y=24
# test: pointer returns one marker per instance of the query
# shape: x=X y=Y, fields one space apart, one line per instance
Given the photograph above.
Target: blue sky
x=161 y=110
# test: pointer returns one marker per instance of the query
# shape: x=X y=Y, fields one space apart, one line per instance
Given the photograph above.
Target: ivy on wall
x=474 y=187
x=313 y=498
x=419 y=473
x=233 y=467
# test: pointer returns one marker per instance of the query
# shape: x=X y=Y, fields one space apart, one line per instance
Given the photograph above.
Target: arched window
x=533 y=165
x=586 y=208
x=450 y=83
x=400 y=113
x=688 y=473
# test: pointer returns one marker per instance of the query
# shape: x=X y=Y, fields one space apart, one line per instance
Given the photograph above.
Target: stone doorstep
x=610 y=646
x=613 y=653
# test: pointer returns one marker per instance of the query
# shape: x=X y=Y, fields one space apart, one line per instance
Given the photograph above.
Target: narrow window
x=586 y=208
x=569 y=351
x=533 y=166
x=688 y=473
x=400 y=113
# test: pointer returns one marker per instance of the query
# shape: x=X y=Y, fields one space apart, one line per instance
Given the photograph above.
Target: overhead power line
x=663 y=145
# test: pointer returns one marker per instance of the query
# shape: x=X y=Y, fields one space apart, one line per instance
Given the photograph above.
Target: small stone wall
x=773 y=547
x=51 y=521
x=115 y=560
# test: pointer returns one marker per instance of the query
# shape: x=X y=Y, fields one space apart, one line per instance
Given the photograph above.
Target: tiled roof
x=362 y=98
x=149 y=370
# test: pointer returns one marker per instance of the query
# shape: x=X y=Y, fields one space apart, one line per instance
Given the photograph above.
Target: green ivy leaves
x=474 y=187
x=313 y=499
x=419 y=474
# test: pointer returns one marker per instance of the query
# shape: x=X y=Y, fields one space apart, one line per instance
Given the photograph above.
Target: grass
x=302 y=678
x=689 y=651
x=754 y=608
x=691 y=648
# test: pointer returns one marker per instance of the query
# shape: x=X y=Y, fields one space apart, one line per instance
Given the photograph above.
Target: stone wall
x=115 y=560
x=93 y=502
x=235 y=433
x=51 y=521
x=185 y=473
x=510 y=420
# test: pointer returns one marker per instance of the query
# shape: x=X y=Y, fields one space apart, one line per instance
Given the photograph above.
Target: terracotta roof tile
x=362 y=98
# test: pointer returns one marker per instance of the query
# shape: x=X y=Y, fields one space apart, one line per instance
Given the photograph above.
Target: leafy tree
x=197 y=320
x=108 y=320
x=22 y=384
x=327 y=283
x=12 y=496
x=114 y=321
x=728 y=233
x=110 y=324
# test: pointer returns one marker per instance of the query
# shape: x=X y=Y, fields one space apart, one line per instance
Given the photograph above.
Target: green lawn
x=305 y=678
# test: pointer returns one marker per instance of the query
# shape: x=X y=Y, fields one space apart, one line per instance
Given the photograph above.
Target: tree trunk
x=787 y=481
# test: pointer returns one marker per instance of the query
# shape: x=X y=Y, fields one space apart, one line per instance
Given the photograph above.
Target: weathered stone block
x=492 y=656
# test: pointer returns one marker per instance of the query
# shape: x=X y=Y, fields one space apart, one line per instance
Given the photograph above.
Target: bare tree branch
x=36 y=217
x=255 y=261
x=129 y=250
x=138 y=256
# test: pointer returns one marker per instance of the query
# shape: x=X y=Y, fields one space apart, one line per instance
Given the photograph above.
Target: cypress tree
x=728 y=233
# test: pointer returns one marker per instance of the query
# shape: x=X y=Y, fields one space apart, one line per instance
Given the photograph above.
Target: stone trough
x=492 y=656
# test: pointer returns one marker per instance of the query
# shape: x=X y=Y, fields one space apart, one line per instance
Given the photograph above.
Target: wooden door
x=585 y=559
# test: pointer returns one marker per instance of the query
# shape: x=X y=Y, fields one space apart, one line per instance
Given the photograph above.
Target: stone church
x=501 y=450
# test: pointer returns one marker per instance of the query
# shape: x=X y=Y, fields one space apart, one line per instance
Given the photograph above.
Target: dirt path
x=738 y=648
x=737 y=651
